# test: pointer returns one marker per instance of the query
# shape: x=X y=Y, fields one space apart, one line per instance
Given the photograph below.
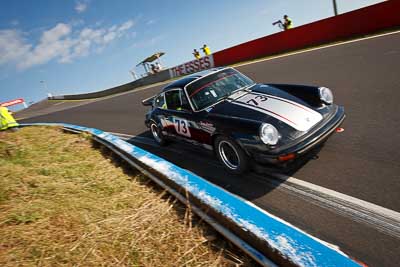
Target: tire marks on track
x=384 y=220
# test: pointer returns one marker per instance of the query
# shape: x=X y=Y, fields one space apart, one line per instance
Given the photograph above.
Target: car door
x=185 y=121
x=160 y=115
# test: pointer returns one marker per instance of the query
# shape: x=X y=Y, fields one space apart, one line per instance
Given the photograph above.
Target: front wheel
x=157 y=134
x=231 y=155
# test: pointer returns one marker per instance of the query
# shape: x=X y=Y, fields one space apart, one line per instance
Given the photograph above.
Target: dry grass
x=63 y=203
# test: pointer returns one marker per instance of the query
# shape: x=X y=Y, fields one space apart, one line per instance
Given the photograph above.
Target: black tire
x=231 y=155
x=157 y=134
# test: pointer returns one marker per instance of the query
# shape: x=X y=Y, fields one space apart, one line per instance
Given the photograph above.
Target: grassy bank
x=64 y=202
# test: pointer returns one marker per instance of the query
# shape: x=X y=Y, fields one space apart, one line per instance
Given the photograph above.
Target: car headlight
x=269 y=134
x=325 y=94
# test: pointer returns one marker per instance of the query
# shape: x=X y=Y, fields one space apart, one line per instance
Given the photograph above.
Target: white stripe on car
x=294 y=114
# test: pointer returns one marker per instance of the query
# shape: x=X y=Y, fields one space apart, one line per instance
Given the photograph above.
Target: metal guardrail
x=266 y=238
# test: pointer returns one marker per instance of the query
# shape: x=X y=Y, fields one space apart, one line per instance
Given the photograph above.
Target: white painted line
x=355 y=201
x=122 y=134
x=380 y=218
x=249 y=63
x=314 y=49
x=234 y=65
x=138 y=139
x=260 y=60
x=257 y=61
x=333 y=247
x=56 y=104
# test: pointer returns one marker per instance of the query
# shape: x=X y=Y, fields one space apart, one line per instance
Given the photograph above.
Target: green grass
x=66 y=202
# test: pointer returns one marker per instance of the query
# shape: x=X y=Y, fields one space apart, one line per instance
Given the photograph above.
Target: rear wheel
x=157 y=134
x=231 y=155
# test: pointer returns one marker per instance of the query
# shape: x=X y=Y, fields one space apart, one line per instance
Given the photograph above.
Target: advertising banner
x=193 y=66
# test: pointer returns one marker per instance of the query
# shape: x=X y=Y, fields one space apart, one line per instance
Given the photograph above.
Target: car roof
x=187 y=79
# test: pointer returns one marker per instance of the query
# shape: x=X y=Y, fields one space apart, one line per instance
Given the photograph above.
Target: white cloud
x=54 y=34
x=60 y=43
x=12 y=46
x=91 y=34
x=80 y=7
x=117 y=31
x=52 y=44
x=126 y=26
x=109 y=36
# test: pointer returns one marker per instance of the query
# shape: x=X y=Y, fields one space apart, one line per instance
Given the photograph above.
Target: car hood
x=269 y=104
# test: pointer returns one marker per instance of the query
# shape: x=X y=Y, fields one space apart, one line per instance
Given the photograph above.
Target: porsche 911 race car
x=242 y=121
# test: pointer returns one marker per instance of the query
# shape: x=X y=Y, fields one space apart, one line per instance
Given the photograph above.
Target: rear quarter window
x=159 y=101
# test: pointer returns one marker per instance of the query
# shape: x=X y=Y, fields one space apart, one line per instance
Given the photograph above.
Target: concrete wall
x=155 y=78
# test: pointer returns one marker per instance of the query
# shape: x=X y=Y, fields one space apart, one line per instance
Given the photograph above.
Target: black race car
x=223 y=110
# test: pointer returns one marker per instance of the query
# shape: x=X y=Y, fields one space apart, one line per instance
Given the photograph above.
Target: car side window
x=176 y=100
x=173 y=100
x=159 y=102
x=184 y=101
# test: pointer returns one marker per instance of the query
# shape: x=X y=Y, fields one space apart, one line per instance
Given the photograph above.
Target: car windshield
x=212 y=88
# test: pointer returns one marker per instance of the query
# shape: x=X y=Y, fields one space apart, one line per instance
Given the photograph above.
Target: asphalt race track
x=363 y=162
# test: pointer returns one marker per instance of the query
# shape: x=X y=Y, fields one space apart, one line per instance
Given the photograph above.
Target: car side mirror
x=148 y=101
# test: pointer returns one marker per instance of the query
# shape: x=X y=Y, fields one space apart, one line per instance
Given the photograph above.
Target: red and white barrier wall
x=361 y=21
x=14 y=102
x=366 y=20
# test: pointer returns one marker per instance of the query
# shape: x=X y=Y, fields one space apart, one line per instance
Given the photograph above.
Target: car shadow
x=251 y=185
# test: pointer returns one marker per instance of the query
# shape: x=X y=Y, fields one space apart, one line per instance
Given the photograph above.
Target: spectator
x=287 y=23
x=7 y=121
x=196 y=54
x=206 y=50
x=153 y=68
x=158 y=66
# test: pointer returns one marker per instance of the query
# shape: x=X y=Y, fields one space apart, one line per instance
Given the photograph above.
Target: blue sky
x=88 y=45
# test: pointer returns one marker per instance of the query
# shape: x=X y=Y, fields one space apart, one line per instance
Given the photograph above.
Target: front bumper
x=305 y=144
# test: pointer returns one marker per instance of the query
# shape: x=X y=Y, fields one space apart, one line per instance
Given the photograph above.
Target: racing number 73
x=182 y=127
x=256 y=100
